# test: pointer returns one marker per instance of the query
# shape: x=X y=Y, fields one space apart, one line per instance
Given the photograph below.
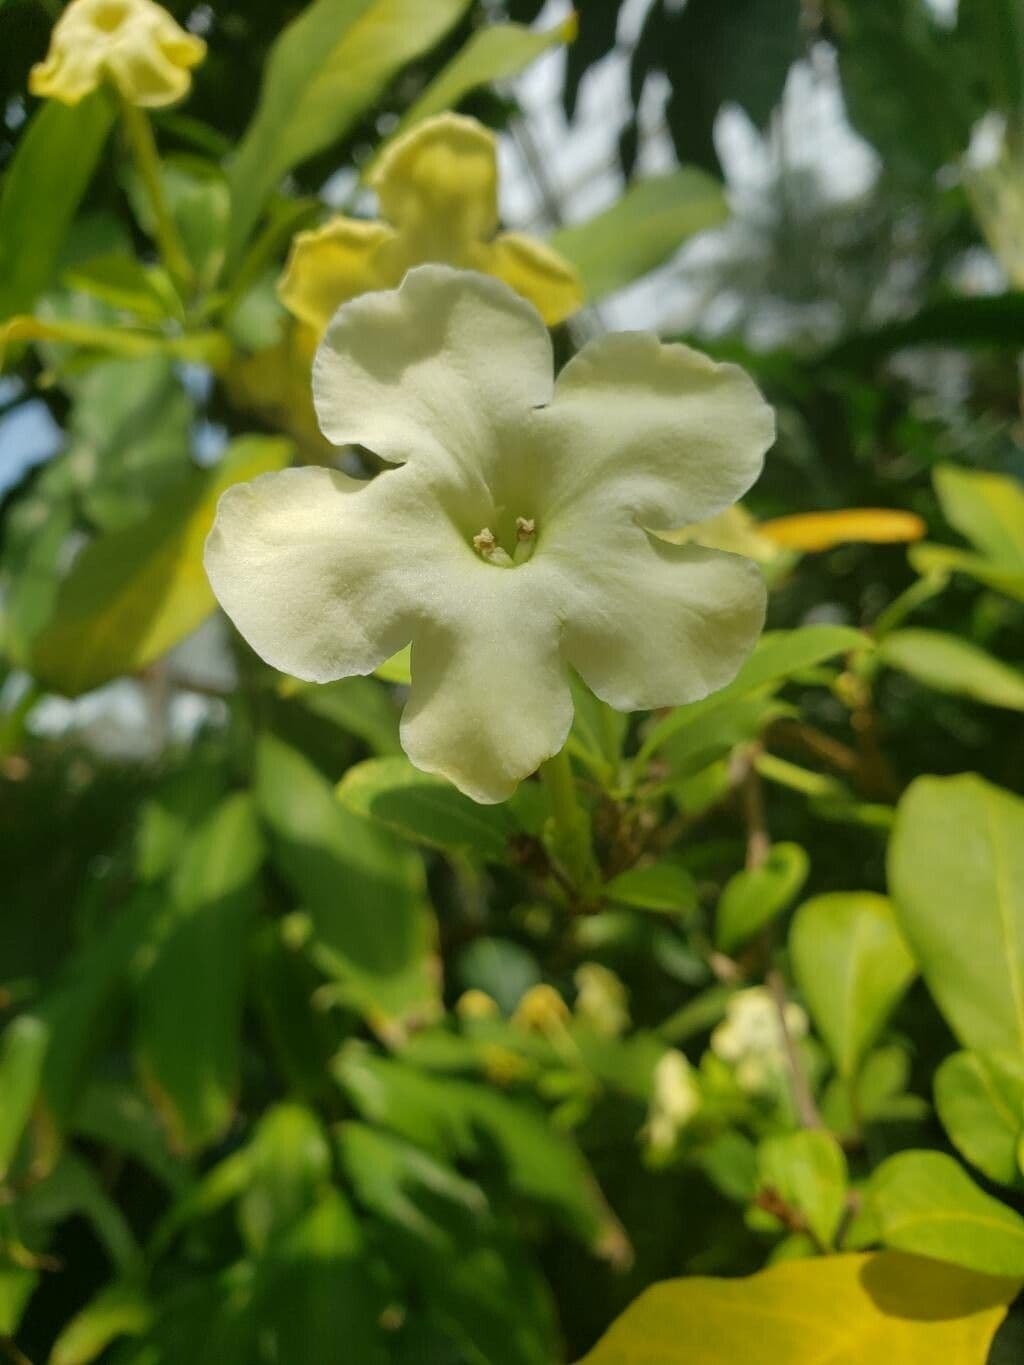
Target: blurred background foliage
x=306 y=1058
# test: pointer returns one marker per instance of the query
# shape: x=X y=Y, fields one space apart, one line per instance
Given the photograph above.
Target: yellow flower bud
x=135 y=44
x=476 y=1004
x=541 y=1010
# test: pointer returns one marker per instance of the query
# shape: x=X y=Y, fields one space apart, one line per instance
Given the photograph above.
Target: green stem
x=147 y=162
x=570 y=840
x=908 y=601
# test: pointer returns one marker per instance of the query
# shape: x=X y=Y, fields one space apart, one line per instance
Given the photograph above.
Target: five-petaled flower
x=438 y=188
x=516 y=539
x=134 y=43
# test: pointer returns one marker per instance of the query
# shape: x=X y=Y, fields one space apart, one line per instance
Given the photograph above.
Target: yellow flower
x=474 y=1004
x=541 y=1010
x=134 y=43
x=437 y=187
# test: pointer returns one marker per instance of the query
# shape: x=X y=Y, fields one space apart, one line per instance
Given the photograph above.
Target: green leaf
x=665 y=887
x=843 y=1309
x=980 y=1100
x=852 y=966
x=116 y=1311
x=359 y=705
x=22 y=1049
x=926 y=1203
x=42 y=188
x=363 y=890
x=129 y=438
x=501 y=968
x=117 y=279
x=808 y=1170
x=133 y=594
x=779 y=654
x=455 y=1118
x=495 y=52
x=289 y=1168
x=189 y=1057
x=950 y=664
x=988 y=509
x=424 y=808
x=325 y=70
x=642 y=229
x=956 y=871
x=943 y=559
x=752 y=898
x=441 y=1235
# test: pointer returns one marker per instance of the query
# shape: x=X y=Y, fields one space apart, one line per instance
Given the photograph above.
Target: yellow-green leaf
x=641 y=229
x=838 y=1310
x=949 y=664
x=133 y=594
x=205 y=348
x=493 y=53
x=823 y=530
x=986 y=508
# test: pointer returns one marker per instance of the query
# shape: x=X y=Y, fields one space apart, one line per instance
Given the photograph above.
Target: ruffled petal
x=66 y=75
x=145 y=75
x=438 y=184
x=325 y=575
x=650 y=624
x=537 y=273
x=331 y=264
x=441 y=371
x=490 y=699
x=654 y=433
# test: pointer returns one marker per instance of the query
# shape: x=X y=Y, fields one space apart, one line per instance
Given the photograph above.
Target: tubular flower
x=438 y=189
x=514 y=540
x=135 y=43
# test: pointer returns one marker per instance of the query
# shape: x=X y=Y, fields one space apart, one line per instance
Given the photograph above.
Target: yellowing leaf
x=879 y=1309
x=133 y=594
x=205 y=348
x=813 y=531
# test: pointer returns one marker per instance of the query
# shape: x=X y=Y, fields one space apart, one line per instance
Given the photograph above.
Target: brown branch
x=799 y=1086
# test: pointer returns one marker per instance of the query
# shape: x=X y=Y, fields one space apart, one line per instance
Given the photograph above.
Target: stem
x=803 y=1099
x=570 y=841
x=147 y=162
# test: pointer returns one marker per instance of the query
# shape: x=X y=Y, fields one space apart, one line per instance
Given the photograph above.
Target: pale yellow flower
x=135 y=44
x=437 y=187
x=541 y=1010
x=751 y=1037
x=513 y=542
x=675 y=1099
x=476 y=1004
x=602 y=1001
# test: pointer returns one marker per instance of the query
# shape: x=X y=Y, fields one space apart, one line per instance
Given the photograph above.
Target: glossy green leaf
x=987 y=509
x=779 y=654
x=364 y=891
x=424 y=808
x=116 y=1311
x=925 y=1202
x=325 y=70
x=665 y=887
x=808 y=1170
x=956 y=871
x=457 y=1118
x=752 y=898
x=134 y=593
x=980 y=1100
x=495 y=52
x=22 y=1048
x=642 y=229
x=844 y=1310
x=189 y=1056
x=444 y=1239
x=949 y=664
x=42 y=189
x=852 y=965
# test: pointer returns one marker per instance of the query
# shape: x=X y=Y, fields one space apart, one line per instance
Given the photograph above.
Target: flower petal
x=332 y=264
x=438 y=183
x=650 y=624
x=655 y=433
x=537 y=273
x=490 y=699
x=324 y=574
x=437 y=369
x=145 y=75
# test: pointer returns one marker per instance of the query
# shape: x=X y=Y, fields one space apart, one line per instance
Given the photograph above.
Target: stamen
x=484 y=542
x=525 y=527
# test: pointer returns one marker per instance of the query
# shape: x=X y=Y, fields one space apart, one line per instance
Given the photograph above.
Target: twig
x=799 y=1086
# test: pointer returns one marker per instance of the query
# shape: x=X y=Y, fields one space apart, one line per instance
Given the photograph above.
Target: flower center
x=485 y=543
x=109 y=16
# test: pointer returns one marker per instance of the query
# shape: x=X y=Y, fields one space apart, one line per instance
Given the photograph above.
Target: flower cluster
x=135 y=44
x=751 y=1038
x=518 y=536
x=437 y=189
